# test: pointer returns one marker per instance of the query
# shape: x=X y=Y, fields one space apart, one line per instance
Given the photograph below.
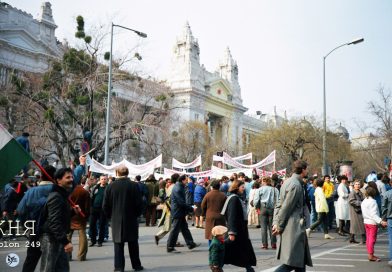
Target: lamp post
x=325 y=167
x=108 y=111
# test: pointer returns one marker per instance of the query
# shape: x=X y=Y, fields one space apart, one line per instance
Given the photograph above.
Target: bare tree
x=375 y=141
x=381 y=110
x=299 y=139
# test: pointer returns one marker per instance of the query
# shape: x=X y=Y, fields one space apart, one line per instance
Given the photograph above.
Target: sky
x=278 y=45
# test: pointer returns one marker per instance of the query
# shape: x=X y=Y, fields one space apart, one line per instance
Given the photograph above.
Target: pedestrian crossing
x=351 y=257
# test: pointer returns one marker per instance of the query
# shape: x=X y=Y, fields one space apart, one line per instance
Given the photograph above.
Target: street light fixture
x=108 y=111
x=325 y=167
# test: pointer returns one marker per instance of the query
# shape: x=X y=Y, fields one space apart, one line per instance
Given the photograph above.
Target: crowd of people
x=62 y=201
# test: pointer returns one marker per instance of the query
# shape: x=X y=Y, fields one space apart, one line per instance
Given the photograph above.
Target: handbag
x=155 y=199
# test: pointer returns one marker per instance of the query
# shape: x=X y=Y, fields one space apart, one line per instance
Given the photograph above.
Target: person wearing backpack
x=30 y=208
x=265 y=199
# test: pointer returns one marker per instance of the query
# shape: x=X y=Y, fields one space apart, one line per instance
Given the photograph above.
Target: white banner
x=143 y=169
x=263 y=173
x=218 y=172
x=180 y=165
x=215 y=172
x=168 y=172
x=230 y=161
x=155 y=163
x=248 y=156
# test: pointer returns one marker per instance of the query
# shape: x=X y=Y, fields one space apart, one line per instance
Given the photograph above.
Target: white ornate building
x=26 y=44
x=214 y=97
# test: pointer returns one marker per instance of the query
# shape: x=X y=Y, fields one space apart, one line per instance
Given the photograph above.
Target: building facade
x=212 y=97
x=27 y=44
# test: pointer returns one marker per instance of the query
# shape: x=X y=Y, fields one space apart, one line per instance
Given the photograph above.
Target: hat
x=218 y=230
x=200 y=181
x=37 y=173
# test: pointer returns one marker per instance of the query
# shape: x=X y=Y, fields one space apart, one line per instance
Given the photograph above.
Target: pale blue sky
x=278 y=45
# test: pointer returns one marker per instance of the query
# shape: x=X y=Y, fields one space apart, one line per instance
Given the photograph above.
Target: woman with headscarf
x=239 y=249
x=356 y=223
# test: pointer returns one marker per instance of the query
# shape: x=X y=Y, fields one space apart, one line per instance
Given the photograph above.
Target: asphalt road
x=328 y=255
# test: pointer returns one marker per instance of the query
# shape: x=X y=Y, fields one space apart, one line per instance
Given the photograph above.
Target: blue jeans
x=313 y=214
x=390 y=238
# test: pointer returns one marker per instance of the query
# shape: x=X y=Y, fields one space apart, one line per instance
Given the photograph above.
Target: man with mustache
x=57 y=219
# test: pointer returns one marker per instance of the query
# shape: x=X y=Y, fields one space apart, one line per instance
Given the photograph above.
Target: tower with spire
x=211 y=97
x=228 y=69
x=185 y=71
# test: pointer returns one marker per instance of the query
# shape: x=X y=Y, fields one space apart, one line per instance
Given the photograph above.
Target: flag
x=13 y=157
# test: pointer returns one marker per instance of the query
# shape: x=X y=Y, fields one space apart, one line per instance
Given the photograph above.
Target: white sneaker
x=327 y=236
x=308 y=231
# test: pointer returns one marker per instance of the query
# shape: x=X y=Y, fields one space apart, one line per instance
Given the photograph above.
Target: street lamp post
x=325 y=167
x=108 y=110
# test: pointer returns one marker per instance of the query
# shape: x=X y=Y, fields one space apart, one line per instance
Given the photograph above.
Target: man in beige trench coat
x=289 y=223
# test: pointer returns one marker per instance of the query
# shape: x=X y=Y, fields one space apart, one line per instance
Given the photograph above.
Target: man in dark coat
x=97 y=214
x=289 y=222
x=123 y=204
x=57 y=220
x=179 y=210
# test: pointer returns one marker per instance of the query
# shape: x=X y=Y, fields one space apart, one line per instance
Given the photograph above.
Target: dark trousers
x=119 y=259
x=106 y=230
x=288 y=268
x=97 y=215
x=151 y=215
x=54 y=258
x=321 y=219
x=33 y=255
x=266 y=216
x=331 y=213
x=179 y=224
